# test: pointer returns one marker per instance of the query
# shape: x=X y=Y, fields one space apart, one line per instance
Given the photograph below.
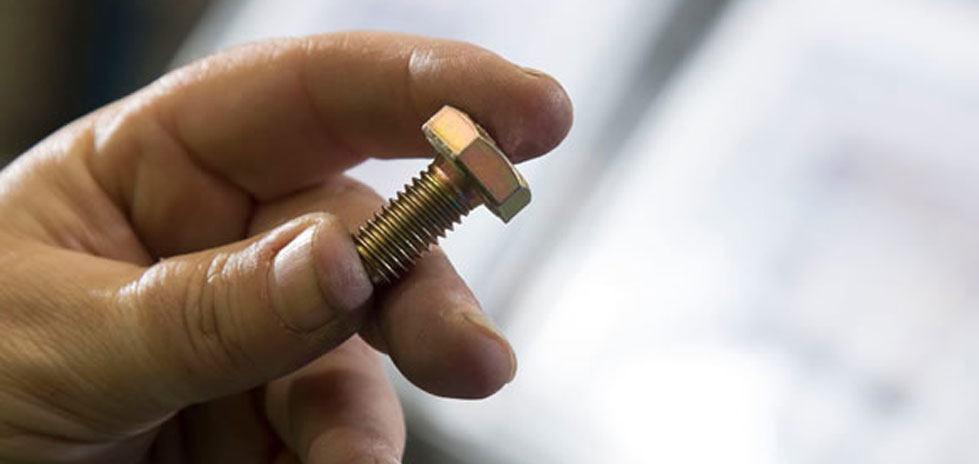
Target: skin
x=179 y=283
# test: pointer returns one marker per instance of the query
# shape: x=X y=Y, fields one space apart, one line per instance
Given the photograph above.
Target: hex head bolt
x=469 y=170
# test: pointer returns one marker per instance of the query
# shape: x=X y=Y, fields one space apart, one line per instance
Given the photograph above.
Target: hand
x=177 y=279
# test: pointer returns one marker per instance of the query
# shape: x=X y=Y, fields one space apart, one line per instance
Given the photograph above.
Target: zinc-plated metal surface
x=469 y=170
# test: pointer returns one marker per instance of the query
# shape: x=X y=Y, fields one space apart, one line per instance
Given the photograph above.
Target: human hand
x=159 y=303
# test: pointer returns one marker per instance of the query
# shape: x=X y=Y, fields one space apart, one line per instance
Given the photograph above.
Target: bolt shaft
x=398 y=234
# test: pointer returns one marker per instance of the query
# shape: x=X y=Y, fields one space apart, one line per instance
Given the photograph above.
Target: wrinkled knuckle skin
x=209 y=302
x=194 y=309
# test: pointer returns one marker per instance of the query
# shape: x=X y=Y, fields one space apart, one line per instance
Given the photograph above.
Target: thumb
x=230 y=318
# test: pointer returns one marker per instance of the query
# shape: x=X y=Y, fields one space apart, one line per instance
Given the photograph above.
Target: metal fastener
x=469 y=170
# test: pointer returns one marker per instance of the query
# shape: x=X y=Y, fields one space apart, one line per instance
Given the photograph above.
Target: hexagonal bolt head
x=467 y=149
x=469 y=170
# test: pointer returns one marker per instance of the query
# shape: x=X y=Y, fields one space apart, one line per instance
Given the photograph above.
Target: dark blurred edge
x=62 y=59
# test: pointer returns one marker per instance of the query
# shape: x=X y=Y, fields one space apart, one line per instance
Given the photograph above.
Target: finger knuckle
x=192 y=304
x=212 y=324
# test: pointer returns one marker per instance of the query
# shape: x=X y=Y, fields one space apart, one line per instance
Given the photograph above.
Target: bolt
x=469 y=170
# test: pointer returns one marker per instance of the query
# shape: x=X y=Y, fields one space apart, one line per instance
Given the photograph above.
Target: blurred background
x=758 y=244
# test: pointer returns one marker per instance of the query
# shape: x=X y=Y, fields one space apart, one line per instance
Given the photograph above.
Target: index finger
x=274 y=117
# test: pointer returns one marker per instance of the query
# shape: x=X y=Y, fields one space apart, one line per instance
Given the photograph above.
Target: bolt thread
x=391 y=241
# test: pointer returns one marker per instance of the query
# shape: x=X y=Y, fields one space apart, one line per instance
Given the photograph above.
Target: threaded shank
x=391 y=241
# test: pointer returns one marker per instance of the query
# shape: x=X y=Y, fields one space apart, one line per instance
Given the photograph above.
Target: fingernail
x=535 y=72
x=308 y=290
x=342 y=277
x=488 y=327
x=295 y=293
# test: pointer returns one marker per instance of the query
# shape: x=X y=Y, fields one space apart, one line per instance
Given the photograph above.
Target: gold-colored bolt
x=469 y=170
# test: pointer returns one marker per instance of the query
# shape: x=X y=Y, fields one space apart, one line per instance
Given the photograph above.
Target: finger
x=439 y=337
x=113 y=349
x=230 y=429
x=271 y=118
x=226 y=319
x=340 y=409
x=141 y=343
x=429 y=322
x=330 y=197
